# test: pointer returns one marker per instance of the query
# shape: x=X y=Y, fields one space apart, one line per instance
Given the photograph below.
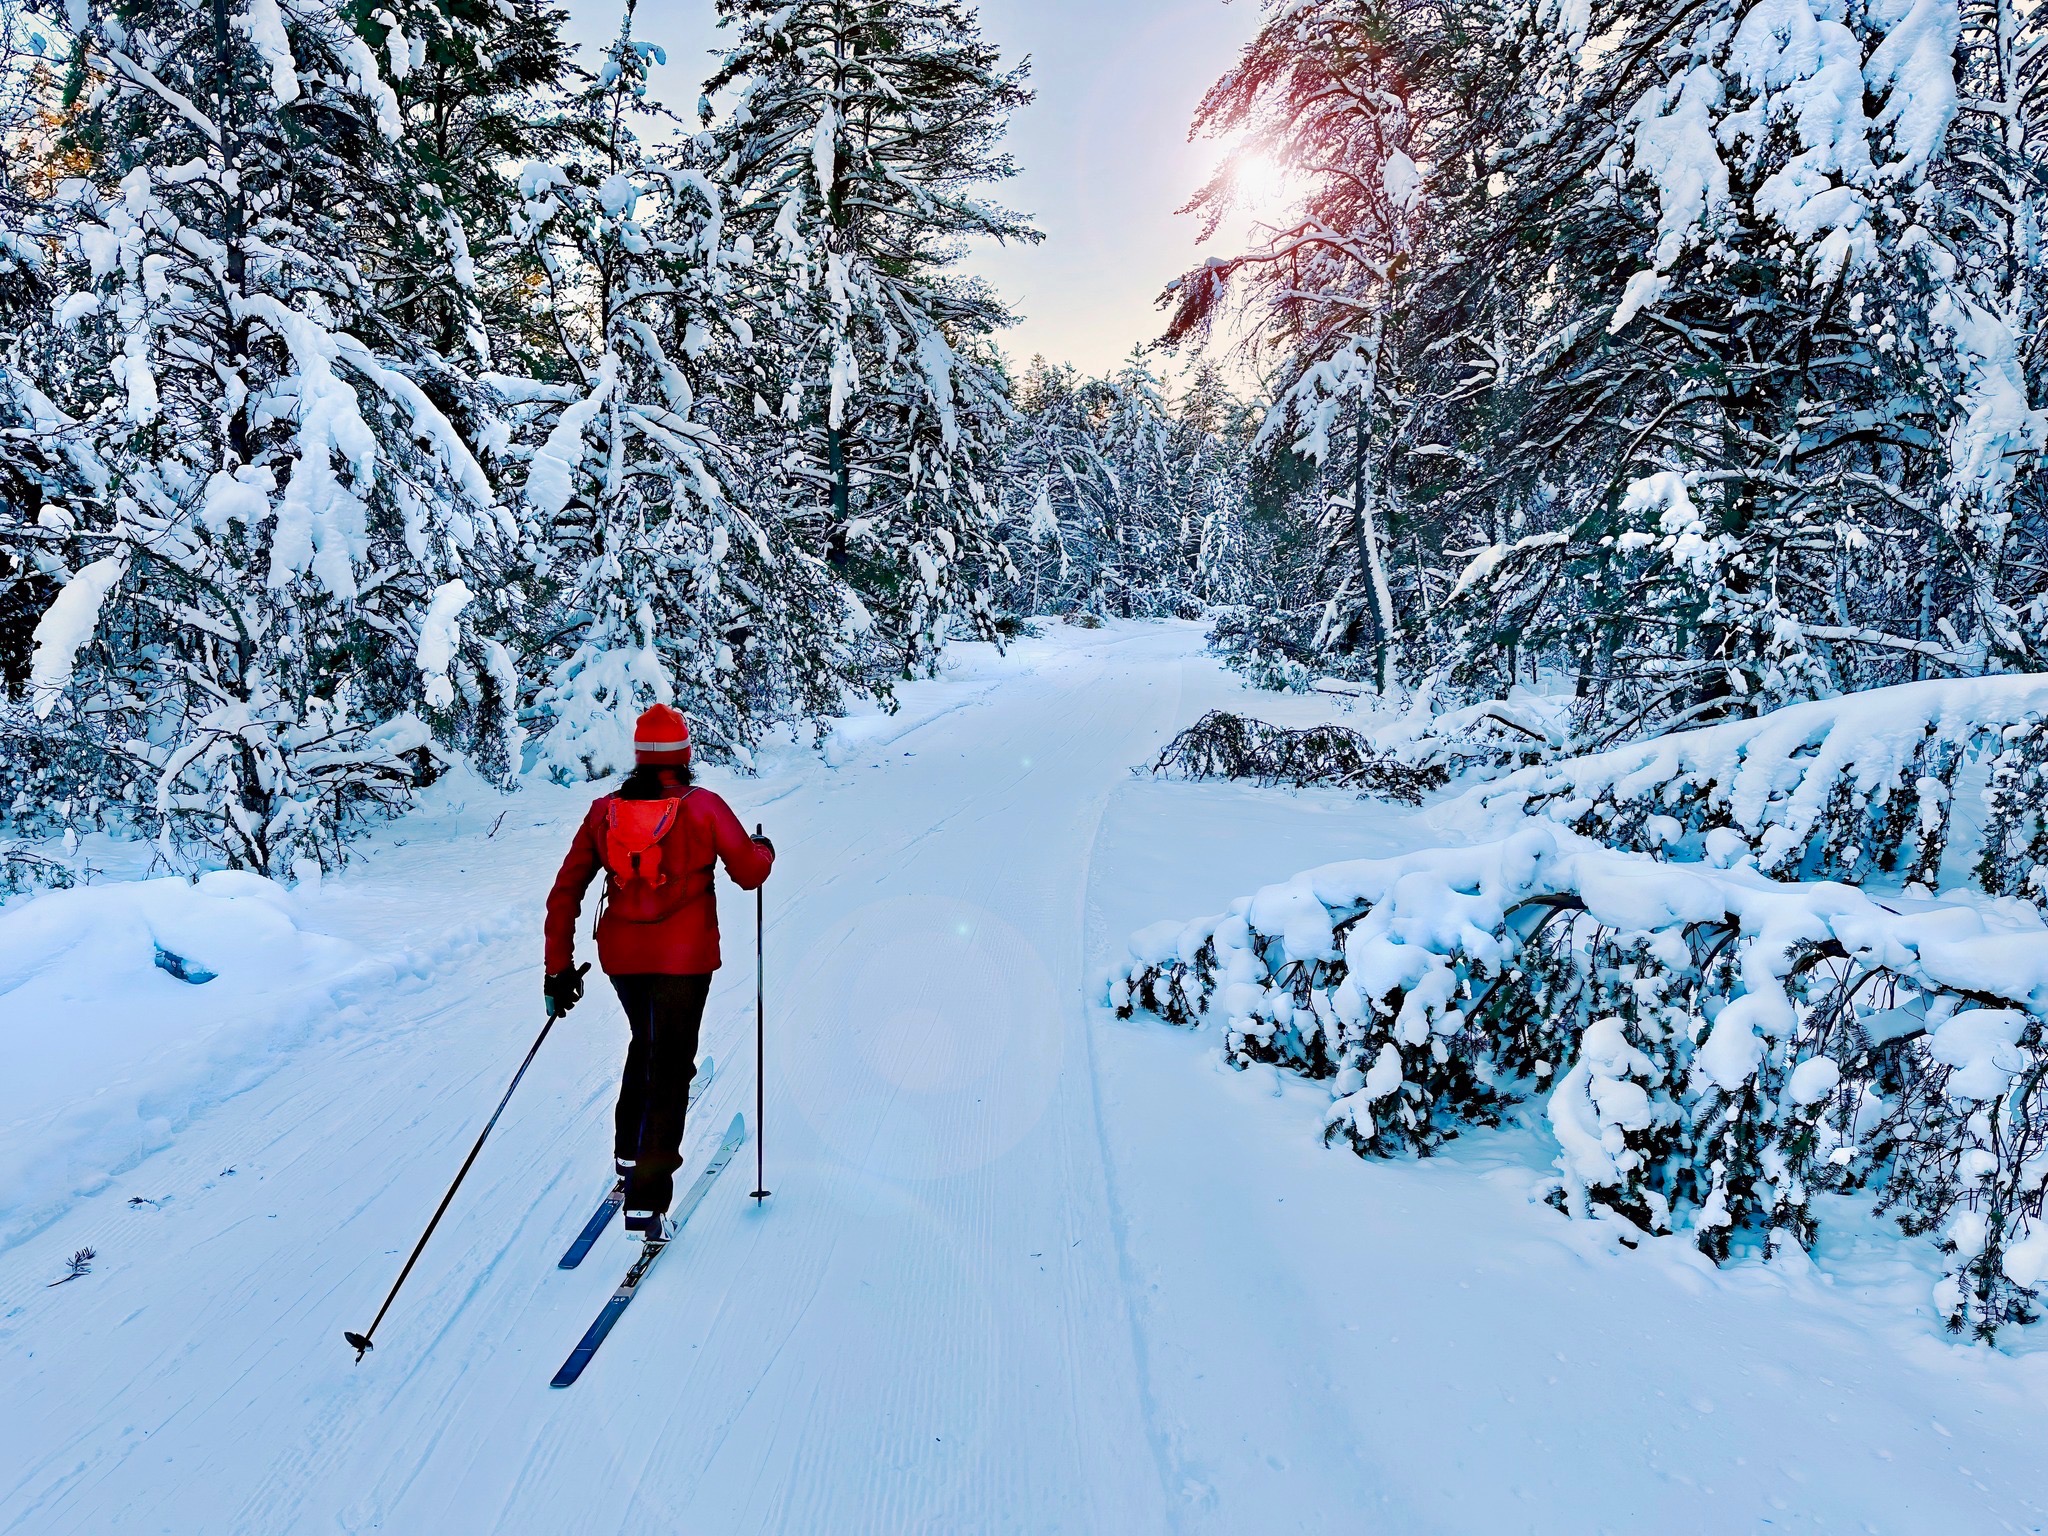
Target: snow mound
x=126 y=1008
x=1716 y=1048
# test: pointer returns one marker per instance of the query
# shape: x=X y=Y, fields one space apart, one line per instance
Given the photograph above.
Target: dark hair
x=656 y=781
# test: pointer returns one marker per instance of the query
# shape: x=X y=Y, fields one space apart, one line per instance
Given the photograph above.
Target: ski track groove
x=1115 y=1221
x=811 y=1294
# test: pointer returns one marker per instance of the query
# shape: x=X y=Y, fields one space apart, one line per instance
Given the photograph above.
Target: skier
x=657 y=837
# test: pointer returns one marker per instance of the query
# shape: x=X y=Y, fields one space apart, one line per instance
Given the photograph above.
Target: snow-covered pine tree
x=1153 y=479
x=1100 y=482
x=1215 y=428
x=1989 y=300
x=481 y=89
x=270 y=542
x=664 y=588
x=1054 y=483
x=858 y=138
x=1107 y=490
x=1775 y=420
x=1352 y=101
x=30 y=116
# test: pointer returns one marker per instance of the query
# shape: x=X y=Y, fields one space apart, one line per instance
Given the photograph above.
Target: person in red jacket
x=658 y=838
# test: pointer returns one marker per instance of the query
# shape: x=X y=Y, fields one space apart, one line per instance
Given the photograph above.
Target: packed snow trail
x=1026 y=1269
x=925 y=1328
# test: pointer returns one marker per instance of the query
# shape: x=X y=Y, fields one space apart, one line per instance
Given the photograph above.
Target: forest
x=382 y=389
x=384 y=393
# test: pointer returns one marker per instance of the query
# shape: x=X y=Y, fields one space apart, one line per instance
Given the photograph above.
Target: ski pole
x=361 y=1341
x=760 y=1040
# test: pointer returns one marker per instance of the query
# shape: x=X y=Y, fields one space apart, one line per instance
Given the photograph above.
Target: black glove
x=762 y=842
x=563 y=990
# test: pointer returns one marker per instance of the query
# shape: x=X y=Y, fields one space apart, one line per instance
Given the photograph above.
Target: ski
x=580 y=1356
x=615 y=1198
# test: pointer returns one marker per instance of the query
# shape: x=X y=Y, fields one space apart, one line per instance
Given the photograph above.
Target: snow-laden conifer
x=855 y=138
x=482 y=89
x=1107 y=489
x=664 y=586
x=1712 y=1050
x=1778 y=421
x=276 y=563
x=1356 y=106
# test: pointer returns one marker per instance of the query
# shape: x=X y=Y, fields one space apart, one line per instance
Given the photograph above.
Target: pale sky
x=1104 y=151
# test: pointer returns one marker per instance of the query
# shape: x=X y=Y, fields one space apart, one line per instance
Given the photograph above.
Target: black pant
x=666 y=1013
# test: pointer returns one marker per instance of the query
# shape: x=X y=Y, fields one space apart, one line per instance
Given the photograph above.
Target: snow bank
x=1715 y=1047
x=126 y=1008
x=1846 y=787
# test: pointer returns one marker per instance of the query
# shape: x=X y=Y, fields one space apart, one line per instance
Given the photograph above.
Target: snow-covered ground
x=1026 y=1268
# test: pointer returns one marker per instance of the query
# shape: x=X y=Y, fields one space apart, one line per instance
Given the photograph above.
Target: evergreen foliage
x=1714 y=1051
x=1119 y=502
x=853 y=155
x=281 y=562
x=662 y=587
x=382 y=394
x=1225 y=746
x=1684 y=356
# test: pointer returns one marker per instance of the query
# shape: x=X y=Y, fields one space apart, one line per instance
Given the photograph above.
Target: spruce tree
x=1774 y=428
x=482 y=87
x=1687 y=350
x=859 y=137
x=663 y=587
x=1102 y=479
x=273 y=549
x=1054 y=482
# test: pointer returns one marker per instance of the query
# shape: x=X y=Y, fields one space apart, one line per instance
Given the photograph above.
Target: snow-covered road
x=1025 y=1269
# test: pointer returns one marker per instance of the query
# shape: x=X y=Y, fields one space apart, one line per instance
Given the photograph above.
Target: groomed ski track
x=1025 y=1269
x=926 y=1328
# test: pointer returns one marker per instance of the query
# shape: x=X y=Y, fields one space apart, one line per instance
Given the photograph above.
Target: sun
x=1263 y=182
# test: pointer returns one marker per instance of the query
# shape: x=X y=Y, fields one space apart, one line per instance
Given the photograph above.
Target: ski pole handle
x=556 y=1012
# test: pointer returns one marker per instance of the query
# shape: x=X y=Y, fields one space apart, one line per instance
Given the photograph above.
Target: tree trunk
x=234 y=216
x=1364 y=492
x=842 y=479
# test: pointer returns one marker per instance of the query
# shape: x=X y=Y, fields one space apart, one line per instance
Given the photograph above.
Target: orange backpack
x=632 y=854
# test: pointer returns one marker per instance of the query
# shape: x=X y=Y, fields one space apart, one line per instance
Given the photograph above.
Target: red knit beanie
x=662 y=737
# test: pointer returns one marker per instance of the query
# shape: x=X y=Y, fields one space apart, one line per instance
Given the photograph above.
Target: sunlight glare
x=1263 y=182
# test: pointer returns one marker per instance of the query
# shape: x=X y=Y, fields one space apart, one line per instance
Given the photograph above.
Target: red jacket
x=685 y=941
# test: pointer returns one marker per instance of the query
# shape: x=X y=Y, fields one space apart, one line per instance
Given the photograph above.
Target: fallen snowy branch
x=1844 y=788
x=1225 y=746
x=23 y=870
x=77 y=1267
x=1715 y=1047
